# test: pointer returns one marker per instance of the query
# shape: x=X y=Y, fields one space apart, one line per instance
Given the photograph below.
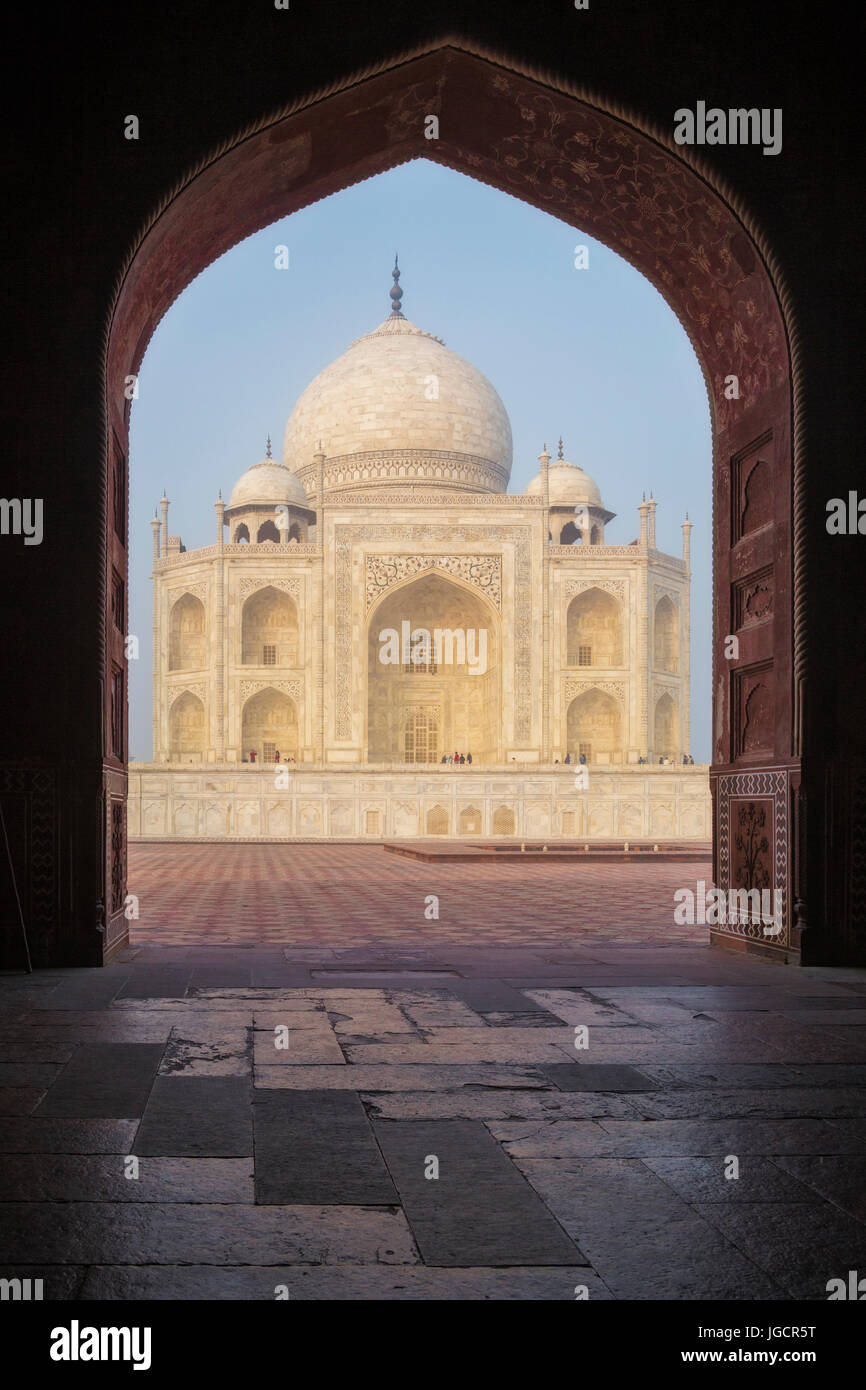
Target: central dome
x=400 y=409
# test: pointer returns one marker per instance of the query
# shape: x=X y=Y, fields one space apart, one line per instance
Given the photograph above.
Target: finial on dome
x=396 y=292
x=268 y=453
x=559 y=455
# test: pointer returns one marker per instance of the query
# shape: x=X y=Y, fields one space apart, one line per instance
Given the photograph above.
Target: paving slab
x=480 y=1210
x=393 y=1077
x=342 y=1283
x=20 y=1100
x=563 y=1138
x=488 y=996
x=99 y=1178
x=704 y=1180
x=153 y=1233
x=187 y=1116
x=103 y=1081
x=209 y=1050
x=840 y=1180
x=31 y=1135
x=317 y=1147
x=492 y=1104
x=801 y=1246
x=156 y=982
x=597 y=1076
x=641 y=1238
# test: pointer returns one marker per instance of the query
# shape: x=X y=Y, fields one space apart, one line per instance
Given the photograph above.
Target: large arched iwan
x=602 y=170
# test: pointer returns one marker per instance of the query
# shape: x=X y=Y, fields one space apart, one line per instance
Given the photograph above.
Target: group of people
x=688 y=760
x=456 y=758
x=254 y=756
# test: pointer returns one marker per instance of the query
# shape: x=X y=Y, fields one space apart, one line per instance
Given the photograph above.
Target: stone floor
x=158 y=1140
x=337 y=895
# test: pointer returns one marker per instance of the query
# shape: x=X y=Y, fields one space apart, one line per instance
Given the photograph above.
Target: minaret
x=685 y=637
x=154 y=526
x=687 y=543
x=220 y=654
x=643 y=508
x=164 y=505
x=652 y=504
x=319 y=460
x=544 y=460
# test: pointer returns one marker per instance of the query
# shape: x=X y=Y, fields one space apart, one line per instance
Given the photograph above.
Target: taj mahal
x=387 y=526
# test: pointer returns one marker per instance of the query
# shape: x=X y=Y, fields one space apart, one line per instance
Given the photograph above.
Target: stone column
x=220 y=618
x=651 y=539
x=155 y=528
x=164 y=505
x=643 y=508
x=544 y=460
x=319 y=460
x=685 y=638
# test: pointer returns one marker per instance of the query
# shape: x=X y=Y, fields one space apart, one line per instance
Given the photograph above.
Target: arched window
x=571 y=534
x=666 y=638
x=269 y=629
x=470 y=821
x=594 y=727
x=503 y=821
x=186 y=648
x=268 y=532
x=594 y=630
x=421 y=735
x=295 y=532
x=186 y=728
x=665 y=740
x=242 y=534
x=437 y=821
x=270 y=726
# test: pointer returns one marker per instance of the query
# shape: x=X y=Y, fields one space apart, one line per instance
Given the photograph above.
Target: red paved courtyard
x=345 y=895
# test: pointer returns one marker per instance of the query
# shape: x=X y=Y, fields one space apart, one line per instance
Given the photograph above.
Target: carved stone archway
x=603 y=170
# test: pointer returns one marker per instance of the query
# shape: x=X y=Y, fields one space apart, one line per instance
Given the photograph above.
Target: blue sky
x=594 y=355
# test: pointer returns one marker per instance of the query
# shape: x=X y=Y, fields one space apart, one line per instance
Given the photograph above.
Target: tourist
x=456 y=758
x=567 y=758
x=277 y=755
x=462 y=759
x=582 y=759
x=469 y=757
x=252 y=755
x=444 y=757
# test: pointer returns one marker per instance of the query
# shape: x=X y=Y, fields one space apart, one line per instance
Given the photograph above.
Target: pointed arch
x=269 y=628
x=594 y=629
x=187 y=649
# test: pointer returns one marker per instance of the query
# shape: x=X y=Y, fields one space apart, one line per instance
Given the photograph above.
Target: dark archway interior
x=598 y=170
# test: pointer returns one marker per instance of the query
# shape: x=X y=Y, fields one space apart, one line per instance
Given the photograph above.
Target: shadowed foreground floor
x=288 y=1107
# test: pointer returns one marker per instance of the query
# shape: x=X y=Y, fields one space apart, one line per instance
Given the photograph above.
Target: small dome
x=268 y=484
x=569 y=486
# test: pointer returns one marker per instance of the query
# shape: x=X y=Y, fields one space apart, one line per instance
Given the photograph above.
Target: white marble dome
x=569 y=486
x=268 y=483
x=401 y=391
